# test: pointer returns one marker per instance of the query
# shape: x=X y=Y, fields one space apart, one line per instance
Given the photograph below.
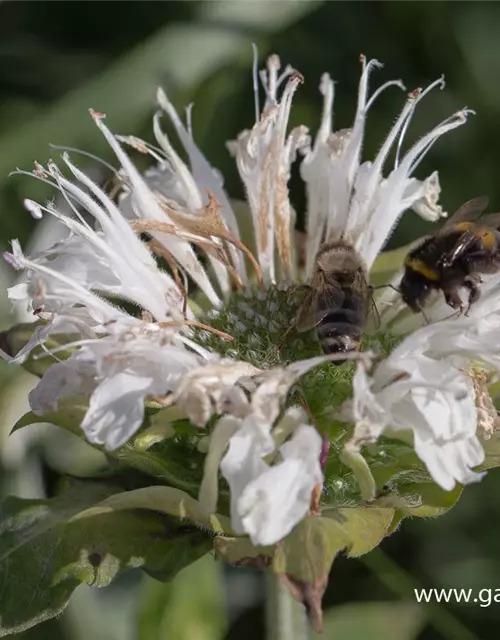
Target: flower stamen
x=157 y=248
x=197 y=325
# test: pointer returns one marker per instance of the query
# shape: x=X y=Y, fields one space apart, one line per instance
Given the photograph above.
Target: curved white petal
x=116 y=409
x=280 y=497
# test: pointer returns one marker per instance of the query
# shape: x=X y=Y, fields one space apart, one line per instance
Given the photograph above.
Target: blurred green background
x=57 y=59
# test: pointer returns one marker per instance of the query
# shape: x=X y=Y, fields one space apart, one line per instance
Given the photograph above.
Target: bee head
x=414 y=291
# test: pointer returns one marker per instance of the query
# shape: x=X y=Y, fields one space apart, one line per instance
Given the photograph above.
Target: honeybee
x=337 y=299
x=454 y=257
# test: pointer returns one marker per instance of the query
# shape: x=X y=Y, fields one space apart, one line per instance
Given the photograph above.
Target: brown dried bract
x=488 y=420
x=311 y=595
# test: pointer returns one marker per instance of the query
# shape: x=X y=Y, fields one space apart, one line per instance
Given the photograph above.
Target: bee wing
x=317 y=304
x=492 y=220
x=462 y=244
x=470 y=210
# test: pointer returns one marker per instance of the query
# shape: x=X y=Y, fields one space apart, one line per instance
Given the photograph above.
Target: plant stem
x=285 y=617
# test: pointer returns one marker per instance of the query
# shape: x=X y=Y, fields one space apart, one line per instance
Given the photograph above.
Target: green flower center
x=262 y=325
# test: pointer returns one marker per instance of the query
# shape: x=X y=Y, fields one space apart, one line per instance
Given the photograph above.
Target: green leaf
x=304 y=558
x=15 y=338
x=69 y=416
x=492 y=452
x=387 y=264
x=153 y=450
x=49 y=547
x=162 y=427
x=168 y=500
x=364 y=528
x=191 y=606
x=374 y=620
x=308 y=552
x=240 y=552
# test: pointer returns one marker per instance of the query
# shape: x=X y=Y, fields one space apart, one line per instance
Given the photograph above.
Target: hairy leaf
x=49 y=547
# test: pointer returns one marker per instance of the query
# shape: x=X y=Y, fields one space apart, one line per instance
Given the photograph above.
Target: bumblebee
x=454 y=257
x=337 y=299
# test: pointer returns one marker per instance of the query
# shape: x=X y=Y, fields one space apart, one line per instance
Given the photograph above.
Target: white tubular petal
x=62 y=379
x=138 y=280
x=312 y=168
x=142 y=195
x=184 y=191
x=206 y=388
x=390 y=201
x=204 y=176
x=116 y=409
x=188 y=186
x=219 y=439
x=243 y=462
x=264 y=156
x=268 y=398
x=445 y=438
x=364 y=199
x=353 y=200
x=420 y=388
x=424 y=196
x=98 y=308
x=278 y=499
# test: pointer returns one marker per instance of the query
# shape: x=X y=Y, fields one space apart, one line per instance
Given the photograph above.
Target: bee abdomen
x=340 y=331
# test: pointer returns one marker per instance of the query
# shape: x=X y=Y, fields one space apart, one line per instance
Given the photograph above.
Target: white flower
x=424 y=386
x=82 y=287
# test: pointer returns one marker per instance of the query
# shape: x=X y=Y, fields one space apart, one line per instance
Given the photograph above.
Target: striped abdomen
x=341 y=330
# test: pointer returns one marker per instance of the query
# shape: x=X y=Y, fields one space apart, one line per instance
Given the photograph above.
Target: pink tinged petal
x=116 y=410
x=279 y=498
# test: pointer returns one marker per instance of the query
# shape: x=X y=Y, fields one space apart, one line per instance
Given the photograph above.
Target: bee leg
x=474 y=291
x=453 y=299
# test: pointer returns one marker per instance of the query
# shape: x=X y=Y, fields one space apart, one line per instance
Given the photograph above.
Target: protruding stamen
x=198 y=325
x=381 y=89
x=363 y=84
x=416 y=95
x=189 y=119
x=157 y=248
x=87 y=154
x=415 y=155
x=255 y=79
